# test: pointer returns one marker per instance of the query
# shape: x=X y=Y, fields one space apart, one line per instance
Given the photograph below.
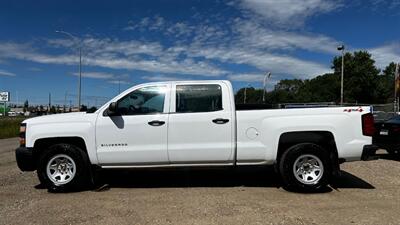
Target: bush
x=9 y=127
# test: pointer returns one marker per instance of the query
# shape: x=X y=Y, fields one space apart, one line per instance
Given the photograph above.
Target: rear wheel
x=64 y=167
x=305 y=167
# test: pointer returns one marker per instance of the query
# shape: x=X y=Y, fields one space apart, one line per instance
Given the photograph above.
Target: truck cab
x=168 y=123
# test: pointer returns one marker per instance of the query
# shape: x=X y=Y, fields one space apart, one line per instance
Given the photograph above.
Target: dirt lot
x=366 y=193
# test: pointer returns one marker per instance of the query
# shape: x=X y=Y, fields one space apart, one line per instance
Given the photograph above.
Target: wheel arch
x=42 y=144
x=325 y=139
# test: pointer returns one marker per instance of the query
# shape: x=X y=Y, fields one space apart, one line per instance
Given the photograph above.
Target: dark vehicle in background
x=381 y=116
x=387 y=135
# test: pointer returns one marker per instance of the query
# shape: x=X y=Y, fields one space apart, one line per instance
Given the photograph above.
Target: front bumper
x=25 y=159
x=369 y=153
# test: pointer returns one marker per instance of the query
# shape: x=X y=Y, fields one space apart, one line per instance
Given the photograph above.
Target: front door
x=137 y=133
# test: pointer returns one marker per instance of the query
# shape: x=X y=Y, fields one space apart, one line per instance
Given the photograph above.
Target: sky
x=131 y=42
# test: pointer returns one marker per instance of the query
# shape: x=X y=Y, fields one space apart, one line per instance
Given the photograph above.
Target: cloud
x=132 y=25
x=96 y=75
x=162 y=78
x=110 y=77
x=206 y=49
x=154 y=23
x=386 y=54
x=119 y=82
x=254 y=35
x=289 y=12
x=179 y=29
x=114 y=54
x=6 y=73
x=375 y=5
x=186 y=59
x=263 y=61
x=244 y=42
x=246 y=77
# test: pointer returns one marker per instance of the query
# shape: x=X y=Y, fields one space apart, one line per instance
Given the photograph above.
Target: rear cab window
x=193 y=98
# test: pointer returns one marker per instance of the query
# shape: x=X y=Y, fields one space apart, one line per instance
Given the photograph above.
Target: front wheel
x=305 y=167
x=63 y=167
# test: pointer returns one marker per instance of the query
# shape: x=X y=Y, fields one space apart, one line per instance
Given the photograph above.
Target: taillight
x=368 y=127
x=22 y=134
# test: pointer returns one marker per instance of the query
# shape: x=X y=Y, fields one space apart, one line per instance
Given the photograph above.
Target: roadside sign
x=4 y=96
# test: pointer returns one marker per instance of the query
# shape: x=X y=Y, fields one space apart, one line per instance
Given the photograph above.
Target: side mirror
x=112 y=107
x=112 y=110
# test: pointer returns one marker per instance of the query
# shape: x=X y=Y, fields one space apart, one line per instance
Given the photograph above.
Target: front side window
x=146 y=100
x=198 y=98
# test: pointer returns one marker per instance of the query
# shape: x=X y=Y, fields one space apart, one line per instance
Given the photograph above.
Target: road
x=366 y=193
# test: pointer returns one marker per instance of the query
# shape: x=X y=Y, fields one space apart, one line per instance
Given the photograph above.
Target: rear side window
x=198 y=98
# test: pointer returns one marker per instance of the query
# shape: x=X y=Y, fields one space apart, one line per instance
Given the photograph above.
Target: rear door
x=200 y=124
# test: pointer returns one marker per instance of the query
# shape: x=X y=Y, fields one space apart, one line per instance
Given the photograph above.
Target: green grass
x=9 y=126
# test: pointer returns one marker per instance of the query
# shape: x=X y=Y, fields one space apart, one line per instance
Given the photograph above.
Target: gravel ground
x=366 y=193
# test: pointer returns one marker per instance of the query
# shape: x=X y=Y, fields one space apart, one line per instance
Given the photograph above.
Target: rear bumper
x=25 y=160
x=388 y=144
x=369 y=152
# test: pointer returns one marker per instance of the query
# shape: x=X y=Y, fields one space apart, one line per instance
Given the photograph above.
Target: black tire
x=287 y=171
x=394 y=153
x=81 y=178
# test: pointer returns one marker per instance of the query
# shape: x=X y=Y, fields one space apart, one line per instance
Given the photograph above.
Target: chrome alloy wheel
x=308 y=169
x=61 y=169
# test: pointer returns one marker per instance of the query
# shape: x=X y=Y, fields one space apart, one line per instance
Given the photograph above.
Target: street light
x=341 y=48
x=80 y=64
x=266 y=78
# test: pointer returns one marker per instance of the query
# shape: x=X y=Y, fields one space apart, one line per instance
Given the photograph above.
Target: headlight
x=22 y=134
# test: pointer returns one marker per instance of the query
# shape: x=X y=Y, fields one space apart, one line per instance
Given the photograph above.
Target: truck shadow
x=348 y=180
x=221 y=177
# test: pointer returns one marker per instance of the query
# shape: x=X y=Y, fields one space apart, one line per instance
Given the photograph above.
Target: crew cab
x=194 y=123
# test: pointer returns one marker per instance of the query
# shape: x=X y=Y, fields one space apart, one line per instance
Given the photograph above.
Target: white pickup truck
x=194 y=123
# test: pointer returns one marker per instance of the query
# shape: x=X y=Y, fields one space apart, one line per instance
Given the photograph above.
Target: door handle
x=220 y=121
x=156 y=123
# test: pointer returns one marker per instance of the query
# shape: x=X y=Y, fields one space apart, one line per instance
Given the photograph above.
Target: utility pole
x=341 y=48
x=48 y=110
x=80 y=64
x=396 y=89
x=119 y=85
x=245 y=93
x=80 y=77
x=65 y=101
x=17 y=97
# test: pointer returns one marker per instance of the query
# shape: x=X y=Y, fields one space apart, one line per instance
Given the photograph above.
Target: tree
x=324 y=88
x=252 y=95
x=286 y=91
x=360 y=76
x=385 y=84
x=83 y=108
x=92 y=109
x=363 y=83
